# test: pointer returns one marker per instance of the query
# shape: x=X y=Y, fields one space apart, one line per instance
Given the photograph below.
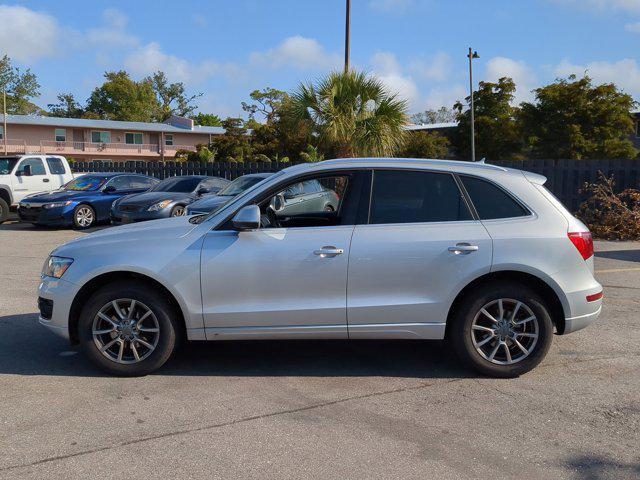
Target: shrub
x=610 y=215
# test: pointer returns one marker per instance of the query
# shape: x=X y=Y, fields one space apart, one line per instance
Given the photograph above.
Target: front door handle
x=45 y=180
x=328 y=252
x=463 y=249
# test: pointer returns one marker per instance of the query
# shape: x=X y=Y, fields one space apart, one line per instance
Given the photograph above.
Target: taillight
x=595 y=296
x=583 y=242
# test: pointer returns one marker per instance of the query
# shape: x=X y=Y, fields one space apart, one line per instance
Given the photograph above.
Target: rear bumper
x=578 y=323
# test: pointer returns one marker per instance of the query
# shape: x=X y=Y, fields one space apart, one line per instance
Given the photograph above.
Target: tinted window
x=491 y=201
x=37 y=167
x=412 y=197
x=7 y=164
x=177 y=184
x=121 y=184
x=142 y=182
x=56 y=166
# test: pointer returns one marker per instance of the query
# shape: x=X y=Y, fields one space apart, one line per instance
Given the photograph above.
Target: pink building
x=106 y=140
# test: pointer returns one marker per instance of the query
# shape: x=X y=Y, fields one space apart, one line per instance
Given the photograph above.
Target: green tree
x=497 y=130
x=21 y=87
x=235 y=144
x=121 y=98
x=572 y=118
x=424 y=144
x=352 y=111
x=441 y=115
x=171 y=97
x=66 y=107
x=268 y=103
x=311 y=155
x=207 y=119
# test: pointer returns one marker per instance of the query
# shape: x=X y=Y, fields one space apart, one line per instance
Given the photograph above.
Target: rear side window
x=491 y=202
x=56 y=167
x=415 y=197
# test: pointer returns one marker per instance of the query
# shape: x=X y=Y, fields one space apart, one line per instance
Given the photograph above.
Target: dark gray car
x=212 y=202
x=310 y=195
x=169 y=198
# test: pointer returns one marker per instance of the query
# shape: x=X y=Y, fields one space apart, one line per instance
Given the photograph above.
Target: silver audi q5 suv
x=477 y=254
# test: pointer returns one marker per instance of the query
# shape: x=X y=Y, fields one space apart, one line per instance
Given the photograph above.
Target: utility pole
x=4 y=111
x=346 y=37
x=471 y=56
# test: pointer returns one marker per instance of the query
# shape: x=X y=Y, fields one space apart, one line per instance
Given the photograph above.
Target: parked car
x=24 y=175
x=168 y=198
x=481 y=255
x=211 y=202
x=84 y=201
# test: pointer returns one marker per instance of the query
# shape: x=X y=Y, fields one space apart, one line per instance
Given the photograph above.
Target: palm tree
x=352 y=111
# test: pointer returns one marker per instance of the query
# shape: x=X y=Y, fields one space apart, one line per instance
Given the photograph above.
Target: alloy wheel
x=505 y=331
x=177 y=211
x=125 y=331
x=84 y=216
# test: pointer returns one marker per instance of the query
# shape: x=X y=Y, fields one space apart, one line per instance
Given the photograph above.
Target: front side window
x=121 y=183
x=100 y=137
x=177 y=184
x=490 y=201
x=36 y=165
x=139 y=182
x=239 y=185
x=168 y=139
x=56 y=167
x=133 y=138
x=416 y=197
x=61 y=135
x=7 y=164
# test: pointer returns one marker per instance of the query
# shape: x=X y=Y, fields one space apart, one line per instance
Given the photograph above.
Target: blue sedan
x=84 y=201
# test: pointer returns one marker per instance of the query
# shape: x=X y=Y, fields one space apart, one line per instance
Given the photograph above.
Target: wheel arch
x=546 y=291
x=5 y=194
x=109 y=277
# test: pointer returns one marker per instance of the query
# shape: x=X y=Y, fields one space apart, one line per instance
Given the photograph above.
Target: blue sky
x=225 y=49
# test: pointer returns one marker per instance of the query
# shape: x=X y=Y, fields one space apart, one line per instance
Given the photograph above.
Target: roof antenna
x=482 y=160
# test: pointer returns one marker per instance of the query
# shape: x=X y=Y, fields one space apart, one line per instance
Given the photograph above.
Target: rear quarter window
x=491 y=201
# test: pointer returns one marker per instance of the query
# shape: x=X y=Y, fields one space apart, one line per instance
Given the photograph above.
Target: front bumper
x=47 y=216
x=61 y=293
x=120 y=217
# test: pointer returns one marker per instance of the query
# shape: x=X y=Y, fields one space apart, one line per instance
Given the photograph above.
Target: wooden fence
x=564 y=177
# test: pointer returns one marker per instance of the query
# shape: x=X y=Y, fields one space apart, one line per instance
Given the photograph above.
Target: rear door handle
x=463 y=249
x=328 y=252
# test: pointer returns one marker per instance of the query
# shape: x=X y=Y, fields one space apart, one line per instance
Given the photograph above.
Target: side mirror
x=109 y=189
x=278 y=202
x=202 y=191
x=247 y=218
x=25 y=172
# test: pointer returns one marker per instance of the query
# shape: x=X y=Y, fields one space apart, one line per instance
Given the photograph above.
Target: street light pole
x=4 y=116
x=346 y=37
x=471 y=56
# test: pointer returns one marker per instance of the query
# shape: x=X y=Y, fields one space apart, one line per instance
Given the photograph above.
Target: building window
x=100 y=137
x=133 y=138
x=61 y=135
x=168 y=139
x=1 y=132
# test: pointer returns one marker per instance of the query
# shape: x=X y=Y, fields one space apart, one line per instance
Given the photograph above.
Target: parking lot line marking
x=615 y=270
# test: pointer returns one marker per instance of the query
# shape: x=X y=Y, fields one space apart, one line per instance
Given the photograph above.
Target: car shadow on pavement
x=18 y=226
x=26 y=348
x=625 y=255
x=596 y=467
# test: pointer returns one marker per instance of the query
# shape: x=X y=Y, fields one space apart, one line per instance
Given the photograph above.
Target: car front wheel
x=502 y=329
x=128 y=329
x=84 y=216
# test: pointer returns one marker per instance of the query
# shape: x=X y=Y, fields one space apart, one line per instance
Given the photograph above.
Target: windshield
x=7 y=164
x=85 y=183
x=177 y=184
x=239 y=185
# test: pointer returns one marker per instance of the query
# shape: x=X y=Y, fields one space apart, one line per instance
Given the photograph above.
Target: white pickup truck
x=22 y=175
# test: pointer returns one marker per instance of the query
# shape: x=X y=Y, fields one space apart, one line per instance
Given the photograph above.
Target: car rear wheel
x=127 y=329
x=177 y=211
x=84 y=216
x=502 y=329
x=4 y=211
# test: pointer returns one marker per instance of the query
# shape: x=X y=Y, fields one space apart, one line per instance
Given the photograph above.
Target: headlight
x=56 y=266
x=57 y=204
x=159 y=206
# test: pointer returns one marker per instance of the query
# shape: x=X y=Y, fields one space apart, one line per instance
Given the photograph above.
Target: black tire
x=178 y=211
x=77 y=222
x=4 y=210
x=168 y=334
x=459 y=332
x=329 y=208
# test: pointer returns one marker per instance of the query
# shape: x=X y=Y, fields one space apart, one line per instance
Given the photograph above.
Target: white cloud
x=628 y=6
x=632 y=27
x=297 y=52
x=112 y=35
x=519 y=71
x=388 y=70
x=391 y=6
x=445 y=96
x=624 y=73
x=115 y=18
x=438 y=68
x=27 y=35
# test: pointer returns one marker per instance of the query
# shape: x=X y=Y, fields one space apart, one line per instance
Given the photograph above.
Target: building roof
x=431 y=126
x=108 y=124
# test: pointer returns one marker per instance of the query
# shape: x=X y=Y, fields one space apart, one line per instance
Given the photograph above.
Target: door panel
x=37 y=182
x=403 y=278
x=269 y=282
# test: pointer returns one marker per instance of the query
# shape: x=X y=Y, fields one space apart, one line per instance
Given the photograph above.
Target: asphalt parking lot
x=317 y=409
